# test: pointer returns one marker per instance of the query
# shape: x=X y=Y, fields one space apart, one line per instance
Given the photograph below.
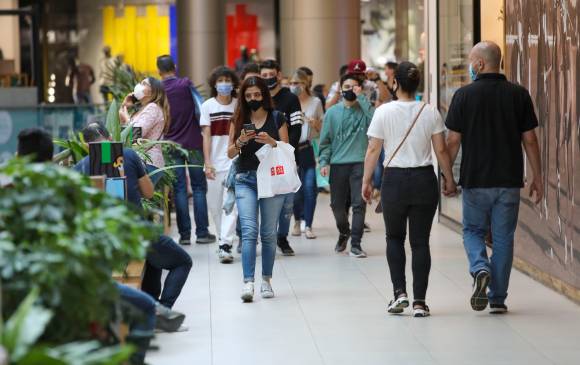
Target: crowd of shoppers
x=369 y=135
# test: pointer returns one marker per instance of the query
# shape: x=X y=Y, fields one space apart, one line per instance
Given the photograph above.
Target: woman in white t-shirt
x=409 y=191
x=216 y=113
x=305 y=198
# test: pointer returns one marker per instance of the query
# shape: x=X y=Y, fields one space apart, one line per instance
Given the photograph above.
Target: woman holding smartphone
x=152 y=116
x=254 y=124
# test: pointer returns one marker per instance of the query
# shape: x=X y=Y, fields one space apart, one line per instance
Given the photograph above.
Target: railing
x=59 y=119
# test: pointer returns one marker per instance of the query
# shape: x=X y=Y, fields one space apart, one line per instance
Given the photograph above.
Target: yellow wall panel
x=108 y=25
x=139 y=38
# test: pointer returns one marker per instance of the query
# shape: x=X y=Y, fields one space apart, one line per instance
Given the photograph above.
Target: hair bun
x=414 y=74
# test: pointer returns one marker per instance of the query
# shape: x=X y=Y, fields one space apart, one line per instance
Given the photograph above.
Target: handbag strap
x=406 y=135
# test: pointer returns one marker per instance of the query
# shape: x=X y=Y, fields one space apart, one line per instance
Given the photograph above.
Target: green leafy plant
x=20 y=336
x=62 y=235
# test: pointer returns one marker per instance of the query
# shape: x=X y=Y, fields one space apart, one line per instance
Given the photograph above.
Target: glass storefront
x=456 y=36
x=393 y=30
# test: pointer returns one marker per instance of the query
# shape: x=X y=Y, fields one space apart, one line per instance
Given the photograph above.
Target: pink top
x=151 y=121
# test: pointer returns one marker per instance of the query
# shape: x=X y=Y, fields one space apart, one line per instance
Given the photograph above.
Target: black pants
x=346 y=182
x=409 y=195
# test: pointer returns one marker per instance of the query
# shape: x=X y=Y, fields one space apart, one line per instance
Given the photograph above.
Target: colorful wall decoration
x=543 y=49
x=242 y=30
x=141 y=33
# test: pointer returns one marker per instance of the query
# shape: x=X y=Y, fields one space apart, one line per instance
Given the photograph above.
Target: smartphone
x=249 y=128
x=133 y=99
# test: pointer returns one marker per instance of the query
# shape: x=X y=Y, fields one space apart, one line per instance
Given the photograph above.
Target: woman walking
x=255 y=124
x=305 y=198
x=409 y=193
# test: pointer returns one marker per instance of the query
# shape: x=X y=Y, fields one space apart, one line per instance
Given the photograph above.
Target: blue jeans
x=155 y=178
x=199 y=189
x=165 y=254
x=286 y=215
x=305 y=198
x=378 y=174
x=495 y=208
x=143 y=302
x=248 y=209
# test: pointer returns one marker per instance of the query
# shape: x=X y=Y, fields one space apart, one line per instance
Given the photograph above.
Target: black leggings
x=409 y=195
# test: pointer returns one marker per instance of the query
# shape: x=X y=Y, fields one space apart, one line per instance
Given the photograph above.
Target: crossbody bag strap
x=379 y=208
x=406 y=135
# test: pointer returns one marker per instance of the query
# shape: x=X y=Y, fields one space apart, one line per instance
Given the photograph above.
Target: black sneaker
x=479 y=297
x=285 y=246
x=185 y=241
x=210 y=238
x=341 y=244
x=497 y=308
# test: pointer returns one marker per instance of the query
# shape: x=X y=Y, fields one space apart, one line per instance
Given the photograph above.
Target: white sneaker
x=296 y=229
x=225 y=254
x=309 y=234
x=266 y=290
x=302 y=226
x=398 y=305
x=248 y=292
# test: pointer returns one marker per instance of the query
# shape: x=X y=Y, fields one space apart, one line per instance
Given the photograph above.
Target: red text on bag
x=277 y=170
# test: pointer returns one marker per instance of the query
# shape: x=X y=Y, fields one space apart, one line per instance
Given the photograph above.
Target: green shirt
x=343 y=138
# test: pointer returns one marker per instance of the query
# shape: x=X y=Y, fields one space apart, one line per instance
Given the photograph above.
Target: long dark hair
x=243 y=111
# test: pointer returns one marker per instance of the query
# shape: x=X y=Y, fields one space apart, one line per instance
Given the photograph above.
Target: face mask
x=272 y=82
x=255 y=104
x=472 y=73
x=224 y=88
x=139 y=91
x=349 y=95
x=296 y=90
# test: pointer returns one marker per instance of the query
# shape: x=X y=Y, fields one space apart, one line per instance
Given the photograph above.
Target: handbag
x=277 y=173
x=379 y=208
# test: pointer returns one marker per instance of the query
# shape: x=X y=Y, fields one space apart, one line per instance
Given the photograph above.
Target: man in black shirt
x=491 y=119
x=289 y=104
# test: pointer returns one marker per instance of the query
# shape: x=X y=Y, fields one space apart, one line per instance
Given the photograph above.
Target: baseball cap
x=356 y=67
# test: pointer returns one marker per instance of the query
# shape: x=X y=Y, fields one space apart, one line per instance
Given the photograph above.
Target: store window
x=393 y=30
x=458 y=32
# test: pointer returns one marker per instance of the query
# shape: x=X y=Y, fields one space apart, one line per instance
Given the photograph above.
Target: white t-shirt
x=312 y=110
x=390 y=123
x=217 y=117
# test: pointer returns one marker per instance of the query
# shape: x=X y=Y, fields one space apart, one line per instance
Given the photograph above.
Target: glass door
x=458 y=31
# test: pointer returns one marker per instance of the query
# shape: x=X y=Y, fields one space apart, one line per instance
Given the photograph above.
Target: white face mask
x=139 y=91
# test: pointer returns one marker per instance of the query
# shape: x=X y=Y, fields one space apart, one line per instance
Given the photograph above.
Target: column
x=320 y=34
x=201 y=46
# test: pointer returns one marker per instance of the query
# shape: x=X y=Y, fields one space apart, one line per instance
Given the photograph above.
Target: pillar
x=320 y=34
x=201 y=45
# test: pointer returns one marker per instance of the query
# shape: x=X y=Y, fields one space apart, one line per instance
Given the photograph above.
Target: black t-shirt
x=248 y=159
x=491 y=114
x=289 y=104
x=133 y=168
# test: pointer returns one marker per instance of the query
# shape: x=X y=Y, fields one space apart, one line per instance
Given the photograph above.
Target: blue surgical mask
x=296 y=90
x=224 y=88
x=472 y=73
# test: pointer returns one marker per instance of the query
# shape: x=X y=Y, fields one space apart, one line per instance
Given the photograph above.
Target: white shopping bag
x=277 y=173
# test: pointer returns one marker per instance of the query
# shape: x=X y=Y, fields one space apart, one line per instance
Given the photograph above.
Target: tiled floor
x=330 y=309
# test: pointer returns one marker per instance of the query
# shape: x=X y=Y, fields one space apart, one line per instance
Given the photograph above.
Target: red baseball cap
x=356 y=67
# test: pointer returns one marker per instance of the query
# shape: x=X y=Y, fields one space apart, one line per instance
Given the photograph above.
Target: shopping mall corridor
x=331 y=309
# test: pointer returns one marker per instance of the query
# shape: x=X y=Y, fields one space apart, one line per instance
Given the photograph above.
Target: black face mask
x=255 y=104
x=349 y=95
x=272 y=82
